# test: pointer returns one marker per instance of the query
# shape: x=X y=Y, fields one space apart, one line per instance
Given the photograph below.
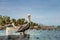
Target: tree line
x=7 y=20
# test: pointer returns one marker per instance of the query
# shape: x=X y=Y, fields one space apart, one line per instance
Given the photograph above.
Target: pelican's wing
x=27 y=26
x=19 y=28
x=23 y=28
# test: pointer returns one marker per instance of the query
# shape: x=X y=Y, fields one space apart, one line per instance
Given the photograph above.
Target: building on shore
x=48 y=27
x=35 y=27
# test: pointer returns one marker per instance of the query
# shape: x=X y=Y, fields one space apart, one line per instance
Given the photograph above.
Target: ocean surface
x=38 y=34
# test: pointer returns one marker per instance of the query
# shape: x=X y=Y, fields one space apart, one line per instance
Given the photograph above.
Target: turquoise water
x=39 y=34
x=44 y=35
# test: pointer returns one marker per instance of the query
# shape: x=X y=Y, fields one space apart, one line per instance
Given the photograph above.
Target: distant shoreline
x=31 y=29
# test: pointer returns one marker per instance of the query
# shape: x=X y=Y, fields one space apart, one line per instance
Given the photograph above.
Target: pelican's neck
x=29 y=21
x=29 y=18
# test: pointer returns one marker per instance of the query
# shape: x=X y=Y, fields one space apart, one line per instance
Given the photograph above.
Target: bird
x=26 y=27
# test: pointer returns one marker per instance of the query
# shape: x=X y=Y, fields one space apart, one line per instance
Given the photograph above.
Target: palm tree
x=14 y=21
x=21 y=21
x=6 y=19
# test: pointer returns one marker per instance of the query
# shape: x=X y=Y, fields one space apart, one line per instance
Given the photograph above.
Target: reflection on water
x=39 y=34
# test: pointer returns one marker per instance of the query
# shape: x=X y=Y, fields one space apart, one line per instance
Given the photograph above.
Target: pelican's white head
x=29 y=15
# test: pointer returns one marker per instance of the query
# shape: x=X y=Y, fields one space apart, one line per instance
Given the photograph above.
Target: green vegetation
x=34 y=24
x=6 y=20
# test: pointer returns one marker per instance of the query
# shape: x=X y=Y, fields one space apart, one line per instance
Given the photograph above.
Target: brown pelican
x=24 y=28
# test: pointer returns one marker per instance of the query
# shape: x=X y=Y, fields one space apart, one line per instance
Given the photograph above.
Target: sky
x=46 y=12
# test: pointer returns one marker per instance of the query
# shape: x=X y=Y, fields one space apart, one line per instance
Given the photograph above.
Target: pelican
x=24 y=28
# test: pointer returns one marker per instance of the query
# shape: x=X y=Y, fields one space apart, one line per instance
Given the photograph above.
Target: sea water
x=38 y=34
x=44 y=35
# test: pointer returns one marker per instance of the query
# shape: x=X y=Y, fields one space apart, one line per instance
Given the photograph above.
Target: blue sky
x=46 y=12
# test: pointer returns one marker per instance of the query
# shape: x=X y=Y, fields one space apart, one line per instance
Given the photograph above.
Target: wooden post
x=9 y=31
